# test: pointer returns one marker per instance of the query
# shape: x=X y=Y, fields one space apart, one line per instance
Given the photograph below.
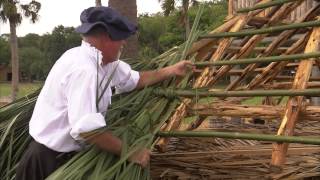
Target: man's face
x=111 y=50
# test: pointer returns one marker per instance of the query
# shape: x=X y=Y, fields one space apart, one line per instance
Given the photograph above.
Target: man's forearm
x=107 y=142
x=148 y=78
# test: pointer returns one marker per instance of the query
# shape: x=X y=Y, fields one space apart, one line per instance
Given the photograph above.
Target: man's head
x=105 y=29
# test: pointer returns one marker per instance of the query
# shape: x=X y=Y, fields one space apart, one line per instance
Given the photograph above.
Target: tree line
x=157 y=33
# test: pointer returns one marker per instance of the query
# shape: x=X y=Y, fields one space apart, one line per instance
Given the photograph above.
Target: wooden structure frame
x=221 y=47
x=234 y=5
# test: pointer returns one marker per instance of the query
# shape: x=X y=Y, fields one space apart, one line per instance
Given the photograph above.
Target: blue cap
x=117 y=26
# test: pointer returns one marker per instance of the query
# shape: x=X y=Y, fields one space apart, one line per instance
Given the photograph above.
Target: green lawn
x=24 y=89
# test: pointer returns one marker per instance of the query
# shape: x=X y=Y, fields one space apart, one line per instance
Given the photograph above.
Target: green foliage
x=32 y=63
x=37 y=53
x=158 y=33
x=55 y=44
x=150 y=29
x=4 y=51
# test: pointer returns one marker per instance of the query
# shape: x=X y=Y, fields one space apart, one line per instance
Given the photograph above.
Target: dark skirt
x=38 y=162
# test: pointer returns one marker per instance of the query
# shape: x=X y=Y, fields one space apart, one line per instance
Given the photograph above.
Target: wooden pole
x=237 y=135
x=172 y=93
x=274 y=68
x=283 y=37
x=230 y=7
x=260 y=60
x=288 y=85
x=253 y=41
x=263 y=30
x=264 y=5
x=265 y=112
x=295 y=103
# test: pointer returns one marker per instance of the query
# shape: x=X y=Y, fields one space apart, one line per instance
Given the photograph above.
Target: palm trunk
x=14 y=61
x=128 y=8
x=98 y=3
x=186 y=17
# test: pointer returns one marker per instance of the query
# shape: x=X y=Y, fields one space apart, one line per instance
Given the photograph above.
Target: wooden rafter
x=249 y=46
x=282 y=38
x=295 y=104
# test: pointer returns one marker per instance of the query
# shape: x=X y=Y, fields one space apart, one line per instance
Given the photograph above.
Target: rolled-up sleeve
x=125 y=78
x=81 y=97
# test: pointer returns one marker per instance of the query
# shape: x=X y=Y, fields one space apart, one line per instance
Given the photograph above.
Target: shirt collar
x=92 y=51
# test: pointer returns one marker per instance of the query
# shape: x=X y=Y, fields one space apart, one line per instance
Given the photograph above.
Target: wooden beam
x=280 y=40
x=235 y=49
x=264 y=5
x=287 y=85
x=265 y=112
x=249 y=46
x=295 y=104
x=181 y=111
x=223 y=28
x=250 y=152
x=291 y=57
x=286 y=78
x=258 y=22
x=237 y=135
x=220 y=51
x=274 y=68
x=230 y=7
x=174 y=93
x=268 y=30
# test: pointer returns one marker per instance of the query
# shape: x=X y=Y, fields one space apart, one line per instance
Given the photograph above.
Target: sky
x=67 y=13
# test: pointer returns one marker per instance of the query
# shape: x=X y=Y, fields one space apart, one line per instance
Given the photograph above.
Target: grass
x=24 y=88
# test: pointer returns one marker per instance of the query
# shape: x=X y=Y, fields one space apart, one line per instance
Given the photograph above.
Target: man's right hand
x=141 y=157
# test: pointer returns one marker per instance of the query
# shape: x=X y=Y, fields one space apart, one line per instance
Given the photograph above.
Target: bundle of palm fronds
x=134 y=117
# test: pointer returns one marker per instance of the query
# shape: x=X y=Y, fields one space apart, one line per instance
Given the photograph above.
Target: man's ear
x=107 y=36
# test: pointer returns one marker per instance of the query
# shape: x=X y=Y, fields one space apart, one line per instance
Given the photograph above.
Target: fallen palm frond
x=217 y=158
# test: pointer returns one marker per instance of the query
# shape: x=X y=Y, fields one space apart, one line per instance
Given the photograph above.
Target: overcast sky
x=66 y=13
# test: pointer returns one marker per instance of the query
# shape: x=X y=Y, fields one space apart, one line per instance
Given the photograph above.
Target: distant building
x=5 y=73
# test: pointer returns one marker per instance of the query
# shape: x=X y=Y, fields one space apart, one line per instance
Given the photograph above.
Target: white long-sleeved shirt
x=66 y=105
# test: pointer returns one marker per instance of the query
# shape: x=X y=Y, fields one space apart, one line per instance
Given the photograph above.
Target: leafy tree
x=4 y=51
x=32 y=63
x=30 y=39
x=169 y=6
x=158 y=33
x=151 y=28
x=55 y=44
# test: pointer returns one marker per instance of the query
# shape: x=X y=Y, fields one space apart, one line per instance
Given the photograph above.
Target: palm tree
x=169 y=6
x=13 y=11
x=98 y=3
x=128 y=8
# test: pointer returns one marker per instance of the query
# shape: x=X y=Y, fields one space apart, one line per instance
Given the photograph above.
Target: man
x=67 y=107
